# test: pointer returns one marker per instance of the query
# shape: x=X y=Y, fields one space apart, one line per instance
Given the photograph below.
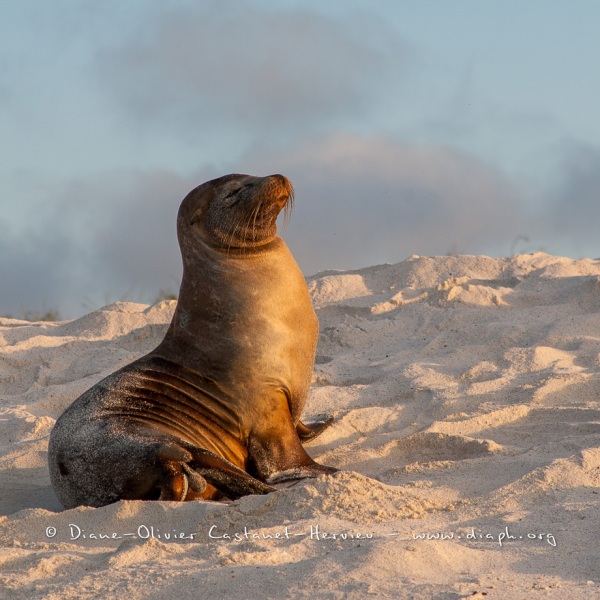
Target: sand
x=465 y=391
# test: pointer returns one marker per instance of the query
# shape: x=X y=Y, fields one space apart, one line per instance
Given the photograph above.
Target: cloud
x=250 y=68
x=32 y=271
x=127 y=222
x=111 y=237
x=361 y=200
x=574 y=206
x=368 y=199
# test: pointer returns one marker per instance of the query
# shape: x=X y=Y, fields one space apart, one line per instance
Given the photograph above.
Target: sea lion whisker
x=243 y=224
x=231 y=237
x=289 y=207
x=255 y=214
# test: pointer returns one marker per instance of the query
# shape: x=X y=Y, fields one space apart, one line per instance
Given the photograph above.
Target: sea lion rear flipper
x=199 y=466
x=309 y=431
x=225 y=476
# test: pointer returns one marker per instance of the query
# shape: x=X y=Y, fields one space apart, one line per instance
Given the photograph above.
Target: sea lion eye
x=234 y=192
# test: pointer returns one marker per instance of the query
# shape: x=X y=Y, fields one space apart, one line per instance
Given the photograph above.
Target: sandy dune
x=466 y=392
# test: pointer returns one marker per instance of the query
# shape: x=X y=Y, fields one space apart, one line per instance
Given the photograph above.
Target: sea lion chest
x=248 y=322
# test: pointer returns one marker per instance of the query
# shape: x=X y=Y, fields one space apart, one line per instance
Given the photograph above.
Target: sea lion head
x=234 y=212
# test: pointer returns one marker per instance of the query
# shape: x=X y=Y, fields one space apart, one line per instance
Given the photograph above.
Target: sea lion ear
x=196 y=216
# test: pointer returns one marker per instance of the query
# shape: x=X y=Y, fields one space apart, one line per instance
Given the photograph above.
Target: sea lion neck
x=221 y=291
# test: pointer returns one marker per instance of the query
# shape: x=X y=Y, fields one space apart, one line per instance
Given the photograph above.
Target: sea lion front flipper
x=275 y=451
x=309 y=431
x=225 y=476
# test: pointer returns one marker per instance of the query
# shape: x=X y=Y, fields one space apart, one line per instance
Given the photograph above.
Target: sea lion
x=215 y=409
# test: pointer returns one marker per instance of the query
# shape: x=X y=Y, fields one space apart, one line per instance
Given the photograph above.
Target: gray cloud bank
x=575 y=204
x=98 y=241
x=360 y=201
x=368 y=199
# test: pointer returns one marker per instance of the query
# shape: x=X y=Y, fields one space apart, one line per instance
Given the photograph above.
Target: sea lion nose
x=281 y=178
x=283 y=182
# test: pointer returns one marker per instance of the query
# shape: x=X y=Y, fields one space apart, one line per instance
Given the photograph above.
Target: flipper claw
x=309 y=431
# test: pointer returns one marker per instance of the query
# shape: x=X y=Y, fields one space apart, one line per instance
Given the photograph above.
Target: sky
x=406 y=127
